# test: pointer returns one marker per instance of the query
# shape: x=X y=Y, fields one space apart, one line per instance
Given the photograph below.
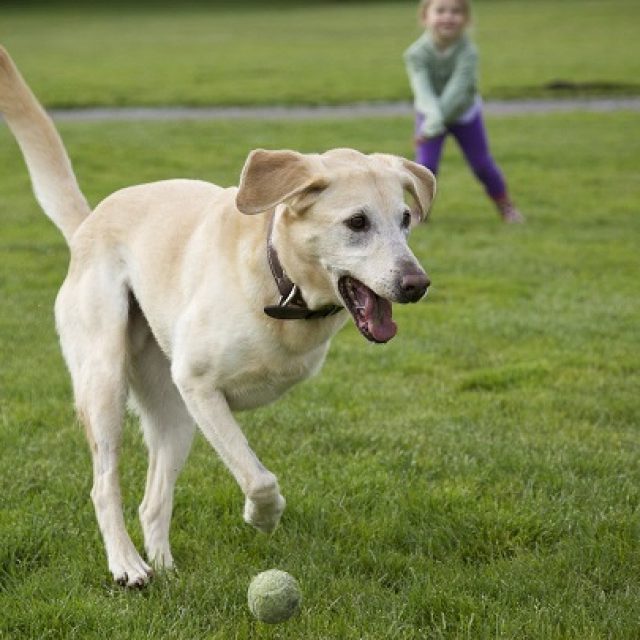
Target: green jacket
x=444 y=83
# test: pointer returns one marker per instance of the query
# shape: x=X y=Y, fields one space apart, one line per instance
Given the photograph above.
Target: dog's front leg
x=264 y=504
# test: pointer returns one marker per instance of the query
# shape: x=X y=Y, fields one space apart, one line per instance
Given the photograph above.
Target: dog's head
x=341 y=227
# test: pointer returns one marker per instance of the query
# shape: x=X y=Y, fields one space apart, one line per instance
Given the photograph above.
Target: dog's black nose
x=414 y=286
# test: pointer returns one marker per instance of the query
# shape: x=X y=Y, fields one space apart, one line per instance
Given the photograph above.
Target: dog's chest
x=261 y=376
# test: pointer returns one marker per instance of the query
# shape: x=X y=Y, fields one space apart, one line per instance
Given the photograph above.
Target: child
x=442 y=67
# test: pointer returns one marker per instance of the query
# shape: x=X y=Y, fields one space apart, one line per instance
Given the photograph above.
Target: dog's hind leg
x=168 y=432
x=91 y=314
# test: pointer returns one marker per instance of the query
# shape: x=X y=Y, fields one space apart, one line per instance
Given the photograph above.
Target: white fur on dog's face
x=348 y=234
x=352 y=228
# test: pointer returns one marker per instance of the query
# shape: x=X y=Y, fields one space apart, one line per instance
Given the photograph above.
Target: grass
x=476 y=478
x=84 y=54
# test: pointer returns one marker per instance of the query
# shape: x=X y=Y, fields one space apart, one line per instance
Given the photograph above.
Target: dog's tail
x=54 y=183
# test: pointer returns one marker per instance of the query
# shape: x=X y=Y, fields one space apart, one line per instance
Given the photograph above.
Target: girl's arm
x=458 y=94
x=424 y=97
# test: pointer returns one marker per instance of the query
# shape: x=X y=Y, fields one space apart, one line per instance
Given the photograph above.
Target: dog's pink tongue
x=377 y=313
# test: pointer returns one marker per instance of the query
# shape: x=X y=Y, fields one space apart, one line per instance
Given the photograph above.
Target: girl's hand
x=421 y=139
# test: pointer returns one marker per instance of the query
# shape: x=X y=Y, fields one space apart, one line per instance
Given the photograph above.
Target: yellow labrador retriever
x=192 y=301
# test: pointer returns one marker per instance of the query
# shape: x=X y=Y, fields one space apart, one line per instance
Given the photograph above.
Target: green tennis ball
x=273 y=596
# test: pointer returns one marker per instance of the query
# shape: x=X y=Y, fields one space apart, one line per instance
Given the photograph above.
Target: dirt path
x=375 y=110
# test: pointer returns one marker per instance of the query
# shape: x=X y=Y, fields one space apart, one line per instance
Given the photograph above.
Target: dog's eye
x=406 y=219
x=358 y=222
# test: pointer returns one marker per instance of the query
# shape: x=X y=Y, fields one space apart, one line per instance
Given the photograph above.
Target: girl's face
x=445 y=19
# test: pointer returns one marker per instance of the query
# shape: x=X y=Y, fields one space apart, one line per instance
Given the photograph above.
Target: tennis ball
x=273 y=596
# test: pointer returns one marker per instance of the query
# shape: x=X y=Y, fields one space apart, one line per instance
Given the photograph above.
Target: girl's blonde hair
x=465 y=4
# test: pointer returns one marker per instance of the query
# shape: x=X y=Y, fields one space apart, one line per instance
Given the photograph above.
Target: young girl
x=442 y=67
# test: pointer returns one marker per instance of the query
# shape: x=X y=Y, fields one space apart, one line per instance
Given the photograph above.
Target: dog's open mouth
x=371 y=313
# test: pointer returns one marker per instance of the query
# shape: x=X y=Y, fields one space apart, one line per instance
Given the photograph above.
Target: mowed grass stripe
x=221 y=53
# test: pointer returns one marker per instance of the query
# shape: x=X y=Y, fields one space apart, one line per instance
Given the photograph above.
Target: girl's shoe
x=508 y=211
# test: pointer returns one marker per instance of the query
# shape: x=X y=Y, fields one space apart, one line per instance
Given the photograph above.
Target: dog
x=191 y=301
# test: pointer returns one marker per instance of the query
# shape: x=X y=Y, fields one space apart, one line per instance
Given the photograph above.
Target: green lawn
x=476 y=478
x=305 y=52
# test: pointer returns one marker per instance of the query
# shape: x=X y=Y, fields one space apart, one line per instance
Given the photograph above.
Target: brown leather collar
x=292 y=305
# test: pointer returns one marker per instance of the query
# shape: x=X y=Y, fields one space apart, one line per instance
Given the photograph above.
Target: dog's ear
x=272 y=177
x=421 y=186
x=417 y=180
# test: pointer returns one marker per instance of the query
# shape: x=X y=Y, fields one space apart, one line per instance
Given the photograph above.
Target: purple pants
x=472 y=138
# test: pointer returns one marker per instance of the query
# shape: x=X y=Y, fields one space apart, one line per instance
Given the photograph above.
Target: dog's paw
x=131 y=572
x=264 y=516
